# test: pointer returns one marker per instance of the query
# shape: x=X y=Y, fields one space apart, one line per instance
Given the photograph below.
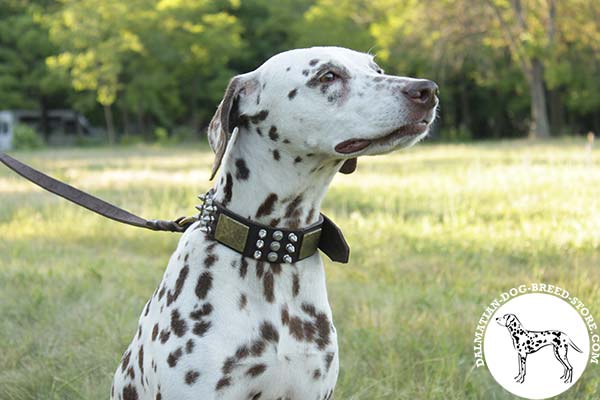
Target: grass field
x=436 y=233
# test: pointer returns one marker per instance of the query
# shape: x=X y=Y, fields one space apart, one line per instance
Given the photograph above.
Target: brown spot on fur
x=223 y=382
x=189 y=346
x=274 y=222
x=257 y=348
x=242 y=352
x=204 y=285
x=228 y=189
x=328 y=360
x=130 y=393
x=296 y=329
x=141 y=359
x=269 y=332
x=164 y=336
x=256 y=370
x=210 y=260
x=131 y=373
x=174 y=357
x=125 y=360
x=292 y=94
x=266 y=208
x=178 y=325
x=261 y=116
x=275 y=268
x=243 y=301
x=297 y=160
x=241 y=170
x=205 y=310
x=268 y=287
x=260 y=269
x=305 y=72
x=256 y=396
x=191 y=377
x=276 y=155
x=313 y=62
x=285 y=316
x=183 y=273
x=293 y=206
x=273 y=135
x=259 y=131
x=161 y=293
x=200 y=328
x=316 y=374
x=295 y=285
x=310 y=216
x=243 y=268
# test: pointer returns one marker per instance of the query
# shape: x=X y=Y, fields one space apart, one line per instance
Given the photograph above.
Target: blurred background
x=505 y=191
x=142 y=70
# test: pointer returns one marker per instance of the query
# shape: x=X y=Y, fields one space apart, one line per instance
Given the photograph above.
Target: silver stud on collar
x=290 y=248
x=257 y=254
x=260 y=243
x=275 y=246
x=272 y=256
x=293 y=238
x=277 y=235
x=262 y=233
x=287 y=259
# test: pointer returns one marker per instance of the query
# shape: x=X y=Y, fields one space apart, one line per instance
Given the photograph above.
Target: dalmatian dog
x=224 y=326
x=528 y=342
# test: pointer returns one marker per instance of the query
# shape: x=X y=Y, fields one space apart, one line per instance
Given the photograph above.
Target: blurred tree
x=25 y=81
x=154 y=53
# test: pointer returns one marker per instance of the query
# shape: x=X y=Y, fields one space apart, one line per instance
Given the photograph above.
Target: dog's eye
x=328 y=77
x=379 y=71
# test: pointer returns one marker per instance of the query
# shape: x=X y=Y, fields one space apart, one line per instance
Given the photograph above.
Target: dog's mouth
x=355 y=145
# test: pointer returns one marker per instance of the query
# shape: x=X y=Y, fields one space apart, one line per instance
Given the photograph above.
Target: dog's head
x=328 y=101
x=508 y=320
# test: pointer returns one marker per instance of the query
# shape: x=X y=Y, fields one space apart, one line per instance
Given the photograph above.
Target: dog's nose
x=422 y=92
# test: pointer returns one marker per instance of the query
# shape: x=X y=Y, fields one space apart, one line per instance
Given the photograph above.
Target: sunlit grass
x=436 y=233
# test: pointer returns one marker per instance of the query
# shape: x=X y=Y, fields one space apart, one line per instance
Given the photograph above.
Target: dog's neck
x=262 y=180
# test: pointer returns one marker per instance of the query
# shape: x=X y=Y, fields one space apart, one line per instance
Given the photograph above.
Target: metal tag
x=231 y=232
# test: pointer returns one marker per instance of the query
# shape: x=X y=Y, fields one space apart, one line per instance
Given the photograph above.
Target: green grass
x=436 y=233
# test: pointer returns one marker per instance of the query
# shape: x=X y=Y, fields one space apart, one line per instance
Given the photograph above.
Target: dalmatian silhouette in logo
x=528 y=342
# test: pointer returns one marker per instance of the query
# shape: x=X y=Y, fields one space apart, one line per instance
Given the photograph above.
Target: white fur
x=297 y=168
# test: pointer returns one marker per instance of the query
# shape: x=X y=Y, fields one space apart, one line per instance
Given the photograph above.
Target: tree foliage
x=505 y=67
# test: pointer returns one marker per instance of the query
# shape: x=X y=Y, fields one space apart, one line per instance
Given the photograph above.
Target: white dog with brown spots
x=222 y=326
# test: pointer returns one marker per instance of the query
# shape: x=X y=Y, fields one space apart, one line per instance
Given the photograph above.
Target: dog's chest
x=224 y=327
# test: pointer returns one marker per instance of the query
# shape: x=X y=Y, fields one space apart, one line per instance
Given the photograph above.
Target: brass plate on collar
x=310 y=244
x=231 y=232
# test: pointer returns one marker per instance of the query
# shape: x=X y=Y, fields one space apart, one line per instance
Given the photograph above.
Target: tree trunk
x=540 y=127
x=44 y=120
x=110 y=128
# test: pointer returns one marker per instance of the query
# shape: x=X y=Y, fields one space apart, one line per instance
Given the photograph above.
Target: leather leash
x=90 y=202
x=329 y=239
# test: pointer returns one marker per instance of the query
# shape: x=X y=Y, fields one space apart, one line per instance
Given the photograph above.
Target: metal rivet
x=275 y=246
x=290 y=248
x=287 y=259
x=257 y=254
x=277 y=235
x=260 y=243
x=293 y=238
x=262 y=233
x=272 y=256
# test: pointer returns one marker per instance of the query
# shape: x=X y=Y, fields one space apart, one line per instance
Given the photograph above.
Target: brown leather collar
x=267 y=243
x=247 y=237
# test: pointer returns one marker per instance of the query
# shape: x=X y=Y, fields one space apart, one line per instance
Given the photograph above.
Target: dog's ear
x=227 y=116
x=349 y=166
